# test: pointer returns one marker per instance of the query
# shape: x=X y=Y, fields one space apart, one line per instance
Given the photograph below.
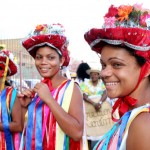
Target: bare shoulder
x=77 y=94
x=139 y=133
x=76 y=100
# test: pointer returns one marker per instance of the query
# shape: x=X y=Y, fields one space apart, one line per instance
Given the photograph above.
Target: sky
x=19 y=17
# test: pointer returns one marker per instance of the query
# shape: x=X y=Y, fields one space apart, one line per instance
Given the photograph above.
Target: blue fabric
x=122 y=127
x=5 y=121
x=13 y=97
x=107 y=135
x=38 y=134
x=121 y=124
x=30 y=124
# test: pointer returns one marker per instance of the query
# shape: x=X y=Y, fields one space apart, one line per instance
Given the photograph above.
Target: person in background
x=94 y=87
x=10 y=115
x=82 y=74
x=73 y=75
x=53 y=109
x=124 y=45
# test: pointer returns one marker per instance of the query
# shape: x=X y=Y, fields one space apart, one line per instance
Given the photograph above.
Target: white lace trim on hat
x=45 y=43
x=119 y=42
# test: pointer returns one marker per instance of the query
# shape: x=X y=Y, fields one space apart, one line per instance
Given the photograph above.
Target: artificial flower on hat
x=52 y=35
x=12 y=67
x=124 y=25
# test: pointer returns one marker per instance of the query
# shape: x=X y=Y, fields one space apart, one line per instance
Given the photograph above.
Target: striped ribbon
x=35 y=132
x=5 y=120
x=61 y=139
x=122 y=125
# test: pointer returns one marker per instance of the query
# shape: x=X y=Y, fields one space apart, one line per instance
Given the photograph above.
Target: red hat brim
x=12 y=68
x=55 y=41
x=135 y=38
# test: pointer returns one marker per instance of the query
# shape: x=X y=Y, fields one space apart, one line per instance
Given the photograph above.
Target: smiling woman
x=56 y=97
x=123 y=43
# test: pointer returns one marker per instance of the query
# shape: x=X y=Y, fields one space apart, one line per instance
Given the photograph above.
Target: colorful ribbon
x=5 y=120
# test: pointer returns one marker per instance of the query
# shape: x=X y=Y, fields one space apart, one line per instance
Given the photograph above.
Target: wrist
x=90 y=101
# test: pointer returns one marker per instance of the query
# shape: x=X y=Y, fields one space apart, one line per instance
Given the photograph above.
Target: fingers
x=26 y=93
x=97 y=106
x=40 y=86
x=20 y=95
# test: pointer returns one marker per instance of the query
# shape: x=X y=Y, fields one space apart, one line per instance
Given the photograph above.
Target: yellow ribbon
x=130 y=121
x=65 y=105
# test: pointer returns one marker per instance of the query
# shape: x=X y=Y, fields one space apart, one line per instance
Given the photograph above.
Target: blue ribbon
x=123 y=125
x=30 y=124
x=13 y=98
x=66 y=143
x=5 y=121
x=110 y=133
x=38 y=138
x=107 y=137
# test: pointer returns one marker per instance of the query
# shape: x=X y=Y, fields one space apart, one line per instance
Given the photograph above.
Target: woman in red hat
x=53 y=108
x=10 y=109
x=124 y=46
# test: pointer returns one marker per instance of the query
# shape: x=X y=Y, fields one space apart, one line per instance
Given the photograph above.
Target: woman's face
x=120 y=71
x=1 y=71
x=47 y=61
x=94 y=76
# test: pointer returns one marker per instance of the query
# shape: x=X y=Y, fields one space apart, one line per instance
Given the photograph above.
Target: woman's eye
x=37 y=57
x=103 y=66
x=116 y=65
x=50 y=57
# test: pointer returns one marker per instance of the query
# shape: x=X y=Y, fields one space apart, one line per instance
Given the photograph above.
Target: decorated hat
x=52 y=35
x=12 y=67
x=124 y=25
x=93 y=70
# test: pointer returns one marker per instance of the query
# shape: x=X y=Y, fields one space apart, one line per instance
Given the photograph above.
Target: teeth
x=44 y=68
x=111 y=83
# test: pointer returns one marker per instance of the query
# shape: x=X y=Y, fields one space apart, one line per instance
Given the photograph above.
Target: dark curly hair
x=81 y=71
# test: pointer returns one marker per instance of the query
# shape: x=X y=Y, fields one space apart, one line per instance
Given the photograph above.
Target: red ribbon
x=123 y=105
x=49 y=83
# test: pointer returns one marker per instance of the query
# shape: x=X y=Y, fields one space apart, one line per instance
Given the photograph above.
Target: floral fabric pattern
x=90 y=90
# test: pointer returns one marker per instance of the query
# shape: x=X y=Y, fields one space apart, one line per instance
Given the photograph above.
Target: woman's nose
x=44 y=60
x=106 y=72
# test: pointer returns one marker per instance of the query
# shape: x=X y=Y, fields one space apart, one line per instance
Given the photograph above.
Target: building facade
x=26 y=67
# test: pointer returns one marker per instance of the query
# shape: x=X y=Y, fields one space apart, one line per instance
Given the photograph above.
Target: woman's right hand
x=25 y=97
